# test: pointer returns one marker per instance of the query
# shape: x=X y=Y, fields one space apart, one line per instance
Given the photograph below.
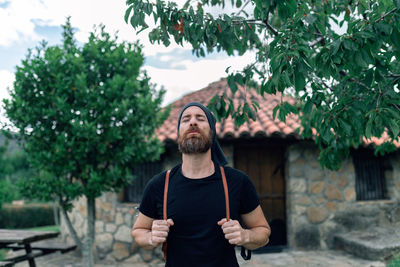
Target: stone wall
x=114 y=222
x=321 y=203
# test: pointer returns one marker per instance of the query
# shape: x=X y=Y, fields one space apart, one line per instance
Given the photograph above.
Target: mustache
x=192 y=128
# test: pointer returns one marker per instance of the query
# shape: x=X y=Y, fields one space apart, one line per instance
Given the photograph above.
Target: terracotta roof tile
x=264 y=124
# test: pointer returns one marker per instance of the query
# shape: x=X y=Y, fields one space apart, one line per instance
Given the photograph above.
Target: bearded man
x=193 y=221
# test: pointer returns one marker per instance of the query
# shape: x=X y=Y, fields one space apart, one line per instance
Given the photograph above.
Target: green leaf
x=232 y=83
x=336 y=46
x=148 y=9
x=394 y=126
x=127 y=13
x=346 y=126
x=394 y=112
x=368 y=128
x=384 y=148
x=366 y=56
x=290 y=108
x=395 y=37
x=383 y=28
x=239 y=119
x=300 y=81
x=359 y=60
x=275 y=110
x=308 y=107
x=327 y=134
x=369 y=77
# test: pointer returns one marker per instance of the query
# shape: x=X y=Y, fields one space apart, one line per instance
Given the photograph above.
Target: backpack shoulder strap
x=243 y=249
x=228 y=216
x=165 y=195
x=164 y=246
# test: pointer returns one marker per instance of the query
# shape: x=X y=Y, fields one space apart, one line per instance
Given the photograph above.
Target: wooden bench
x=6 y=264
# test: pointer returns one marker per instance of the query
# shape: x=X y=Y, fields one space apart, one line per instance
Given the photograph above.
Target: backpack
x=164 y=246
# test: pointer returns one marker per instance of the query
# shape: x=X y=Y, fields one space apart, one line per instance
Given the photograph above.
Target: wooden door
x=265 y=166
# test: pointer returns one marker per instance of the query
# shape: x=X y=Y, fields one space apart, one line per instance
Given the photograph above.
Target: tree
x=346 y=83
x=86 y=115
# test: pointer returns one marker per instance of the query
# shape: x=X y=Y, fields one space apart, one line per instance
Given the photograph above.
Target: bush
x=7 y=191
x=395 y=262
x=26 y=216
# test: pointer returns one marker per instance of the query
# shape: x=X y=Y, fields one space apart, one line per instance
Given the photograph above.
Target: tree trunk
x=55 y=213
x=88 y=248
x=71 y=228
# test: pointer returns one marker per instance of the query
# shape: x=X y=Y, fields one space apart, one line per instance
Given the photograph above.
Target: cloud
x=18 y=20
x=196 y=75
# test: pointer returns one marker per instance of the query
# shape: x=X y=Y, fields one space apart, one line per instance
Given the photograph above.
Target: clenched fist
x=234 y=232
x=159 y=231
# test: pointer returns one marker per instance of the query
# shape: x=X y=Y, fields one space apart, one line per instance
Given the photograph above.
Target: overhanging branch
x=385 y=15
x=269 y=27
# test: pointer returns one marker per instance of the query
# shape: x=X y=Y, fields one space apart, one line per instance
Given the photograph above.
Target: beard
x=194 y=144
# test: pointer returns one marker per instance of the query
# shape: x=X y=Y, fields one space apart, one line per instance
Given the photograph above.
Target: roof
x=263 y=126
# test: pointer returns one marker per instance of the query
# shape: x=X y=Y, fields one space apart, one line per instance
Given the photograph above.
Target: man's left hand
x=234 y=232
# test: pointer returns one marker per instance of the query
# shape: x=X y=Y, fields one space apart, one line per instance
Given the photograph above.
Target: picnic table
x=35 y=244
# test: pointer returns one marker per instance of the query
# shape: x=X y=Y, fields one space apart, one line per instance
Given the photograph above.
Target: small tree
x=347 y=83
x=86 y=116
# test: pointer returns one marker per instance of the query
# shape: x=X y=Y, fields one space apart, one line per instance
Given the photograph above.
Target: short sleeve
x=248 y=197
x=151 y=197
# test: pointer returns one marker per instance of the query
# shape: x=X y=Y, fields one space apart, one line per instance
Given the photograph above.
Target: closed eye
x=201 y=118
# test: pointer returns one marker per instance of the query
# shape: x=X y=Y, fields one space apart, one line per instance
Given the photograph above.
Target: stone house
x=304 y=204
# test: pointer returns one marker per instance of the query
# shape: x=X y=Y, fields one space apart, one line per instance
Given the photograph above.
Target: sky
x=25 y=23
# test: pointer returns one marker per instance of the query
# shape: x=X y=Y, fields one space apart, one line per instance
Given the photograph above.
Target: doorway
x=265 y=165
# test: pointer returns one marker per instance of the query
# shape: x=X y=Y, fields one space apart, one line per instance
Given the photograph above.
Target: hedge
x=26 y=216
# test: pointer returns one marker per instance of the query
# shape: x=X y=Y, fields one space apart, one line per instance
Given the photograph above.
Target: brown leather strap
x=164 y=246
x=228 y=217
x=165 y=195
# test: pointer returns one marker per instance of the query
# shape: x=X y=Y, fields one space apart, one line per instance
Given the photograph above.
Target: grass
x=55 y=228
x=395 y=262
x=3 y=253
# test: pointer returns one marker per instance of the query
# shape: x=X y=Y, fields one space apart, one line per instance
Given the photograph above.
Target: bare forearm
x=256 y=237
x=143 y=238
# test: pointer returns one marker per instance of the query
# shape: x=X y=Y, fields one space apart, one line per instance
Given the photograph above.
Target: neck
x=196 y=166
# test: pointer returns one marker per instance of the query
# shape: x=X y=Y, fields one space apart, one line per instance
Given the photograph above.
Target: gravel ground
x=288 y=258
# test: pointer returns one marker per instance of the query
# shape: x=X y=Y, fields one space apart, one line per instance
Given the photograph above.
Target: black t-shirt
x=195 y=206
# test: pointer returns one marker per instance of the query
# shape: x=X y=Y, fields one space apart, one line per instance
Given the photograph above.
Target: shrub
x=26 y=216
x=395 y=262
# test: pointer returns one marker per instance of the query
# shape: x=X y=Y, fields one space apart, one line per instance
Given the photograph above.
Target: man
x=197 y=231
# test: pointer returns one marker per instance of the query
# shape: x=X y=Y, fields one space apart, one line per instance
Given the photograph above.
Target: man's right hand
x=159 y=231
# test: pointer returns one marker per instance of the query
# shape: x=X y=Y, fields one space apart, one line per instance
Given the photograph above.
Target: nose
x=193 y=122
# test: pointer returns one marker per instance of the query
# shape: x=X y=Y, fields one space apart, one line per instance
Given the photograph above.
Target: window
x=370 y=175
x=143 y=173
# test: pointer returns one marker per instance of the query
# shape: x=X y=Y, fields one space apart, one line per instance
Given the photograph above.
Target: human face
x=194 y=131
